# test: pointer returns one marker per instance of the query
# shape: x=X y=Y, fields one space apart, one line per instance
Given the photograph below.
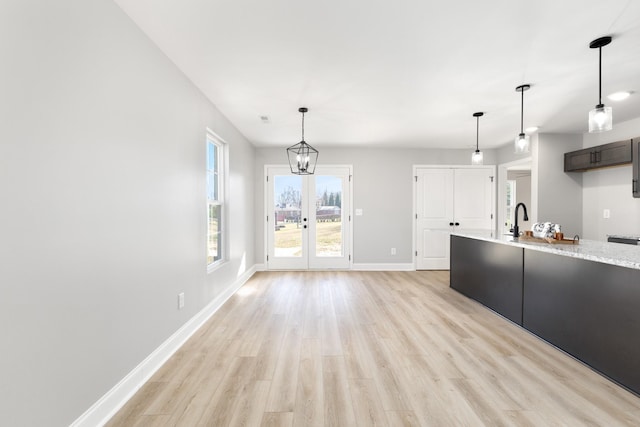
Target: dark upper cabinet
x=615 y=153
x=635 y=183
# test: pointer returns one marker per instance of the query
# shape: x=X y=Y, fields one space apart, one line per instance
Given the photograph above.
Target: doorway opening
x=515 y=185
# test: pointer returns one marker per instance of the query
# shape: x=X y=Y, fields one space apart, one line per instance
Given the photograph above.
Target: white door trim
x=502 y=192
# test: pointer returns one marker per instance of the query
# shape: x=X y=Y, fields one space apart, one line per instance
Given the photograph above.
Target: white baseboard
x=383 y=267
x=363 y=267
x=107 y=406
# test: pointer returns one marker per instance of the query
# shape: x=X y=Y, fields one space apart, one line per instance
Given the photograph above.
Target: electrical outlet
x=393 y=251
x=606 y=214
x=180 y=300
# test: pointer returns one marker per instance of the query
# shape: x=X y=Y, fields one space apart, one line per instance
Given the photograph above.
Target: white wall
x=610 y=188
x=102 y=217
x=382 y=188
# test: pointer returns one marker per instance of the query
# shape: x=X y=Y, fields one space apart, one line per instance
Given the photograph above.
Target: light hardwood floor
x=370 y=349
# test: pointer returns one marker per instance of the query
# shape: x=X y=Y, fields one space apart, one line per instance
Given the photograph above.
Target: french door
x=308 y=218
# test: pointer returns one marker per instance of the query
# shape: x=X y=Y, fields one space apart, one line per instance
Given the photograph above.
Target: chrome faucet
x=516 y=230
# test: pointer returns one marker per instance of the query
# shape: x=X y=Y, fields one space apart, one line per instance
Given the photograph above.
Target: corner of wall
x=109 y=404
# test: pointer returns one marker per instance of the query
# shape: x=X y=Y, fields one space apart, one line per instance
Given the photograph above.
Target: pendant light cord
x=600 y=75
x=522 y=111
x=303 y=126
x=477 y=132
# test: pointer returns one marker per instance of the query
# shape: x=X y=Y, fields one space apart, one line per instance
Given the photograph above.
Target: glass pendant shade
x=477 y=158
x=302 y=157
x=522 y=143
x=600 y=119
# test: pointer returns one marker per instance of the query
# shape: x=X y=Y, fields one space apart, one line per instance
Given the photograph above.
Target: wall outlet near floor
x=606 y=214
x=393 y=251
x=180 y=300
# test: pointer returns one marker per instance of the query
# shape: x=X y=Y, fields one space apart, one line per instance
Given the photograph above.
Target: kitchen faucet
x=516 y=230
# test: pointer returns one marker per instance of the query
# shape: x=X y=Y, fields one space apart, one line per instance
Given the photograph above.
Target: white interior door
x=473 y=199
x=449 y=199
x=308 y=219
x=434 y=218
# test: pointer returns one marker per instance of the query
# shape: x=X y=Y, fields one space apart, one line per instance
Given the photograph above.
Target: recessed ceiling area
x=400 y=74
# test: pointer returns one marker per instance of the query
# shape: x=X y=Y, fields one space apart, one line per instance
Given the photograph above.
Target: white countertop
x=609 y=253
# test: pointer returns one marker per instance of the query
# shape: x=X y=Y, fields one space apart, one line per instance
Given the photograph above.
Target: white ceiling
x=403 y=73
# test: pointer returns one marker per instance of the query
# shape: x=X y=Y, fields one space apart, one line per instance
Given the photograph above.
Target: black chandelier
x=302 y=156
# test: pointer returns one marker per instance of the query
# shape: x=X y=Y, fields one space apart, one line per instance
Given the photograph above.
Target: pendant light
x=522 y=140
x=477 y=157
x=302 y=156
x=601 y=117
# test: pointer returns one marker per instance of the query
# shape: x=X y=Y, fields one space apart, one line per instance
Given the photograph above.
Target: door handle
x=457 y=223
x=304 y=219
x=451 y=224
x=304 y=226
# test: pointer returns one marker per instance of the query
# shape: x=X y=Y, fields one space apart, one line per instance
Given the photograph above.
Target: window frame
x=221 y=171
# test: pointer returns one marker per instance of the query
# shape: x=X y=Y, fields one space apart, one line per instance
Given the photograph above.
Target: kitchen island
x=583 y=298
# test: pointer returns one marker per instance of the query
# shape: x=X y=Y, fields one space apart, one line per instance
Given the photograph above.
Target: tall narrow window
x=510 y=207
x=215 y=200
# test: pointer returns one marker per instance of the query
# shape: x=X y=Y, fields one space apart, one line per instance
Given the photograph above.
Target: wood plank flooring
x=370 y=349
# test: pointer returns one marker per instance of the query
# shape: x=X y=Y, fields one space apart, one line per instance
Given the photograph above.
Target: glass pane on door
x=288 y=225
x=328 y=216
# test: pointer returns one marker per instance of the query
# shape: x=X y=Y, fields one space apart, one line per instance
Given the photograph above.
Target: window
x=215 y=200
x=511 y=203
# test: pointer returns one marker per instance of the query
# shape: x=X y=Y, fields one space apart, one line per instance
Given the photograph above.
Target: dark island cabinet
x=615 y=153
x=489 y=273
x=591 y=310
x=588 y=309
x=635 y=183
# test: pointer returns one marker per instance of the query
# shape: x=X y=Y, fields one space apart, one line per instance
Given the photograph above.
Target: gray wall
x=382 y=188
x=523 y=186
x=103 y=218
x=610 y=188
x=559 y=193
x=577 y=199
x=506 y=154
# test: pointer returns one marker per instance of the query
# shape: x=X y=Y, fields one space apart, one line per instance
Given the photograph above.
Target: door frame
x=415 y=200
x=503 y=170
x=318 y=171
